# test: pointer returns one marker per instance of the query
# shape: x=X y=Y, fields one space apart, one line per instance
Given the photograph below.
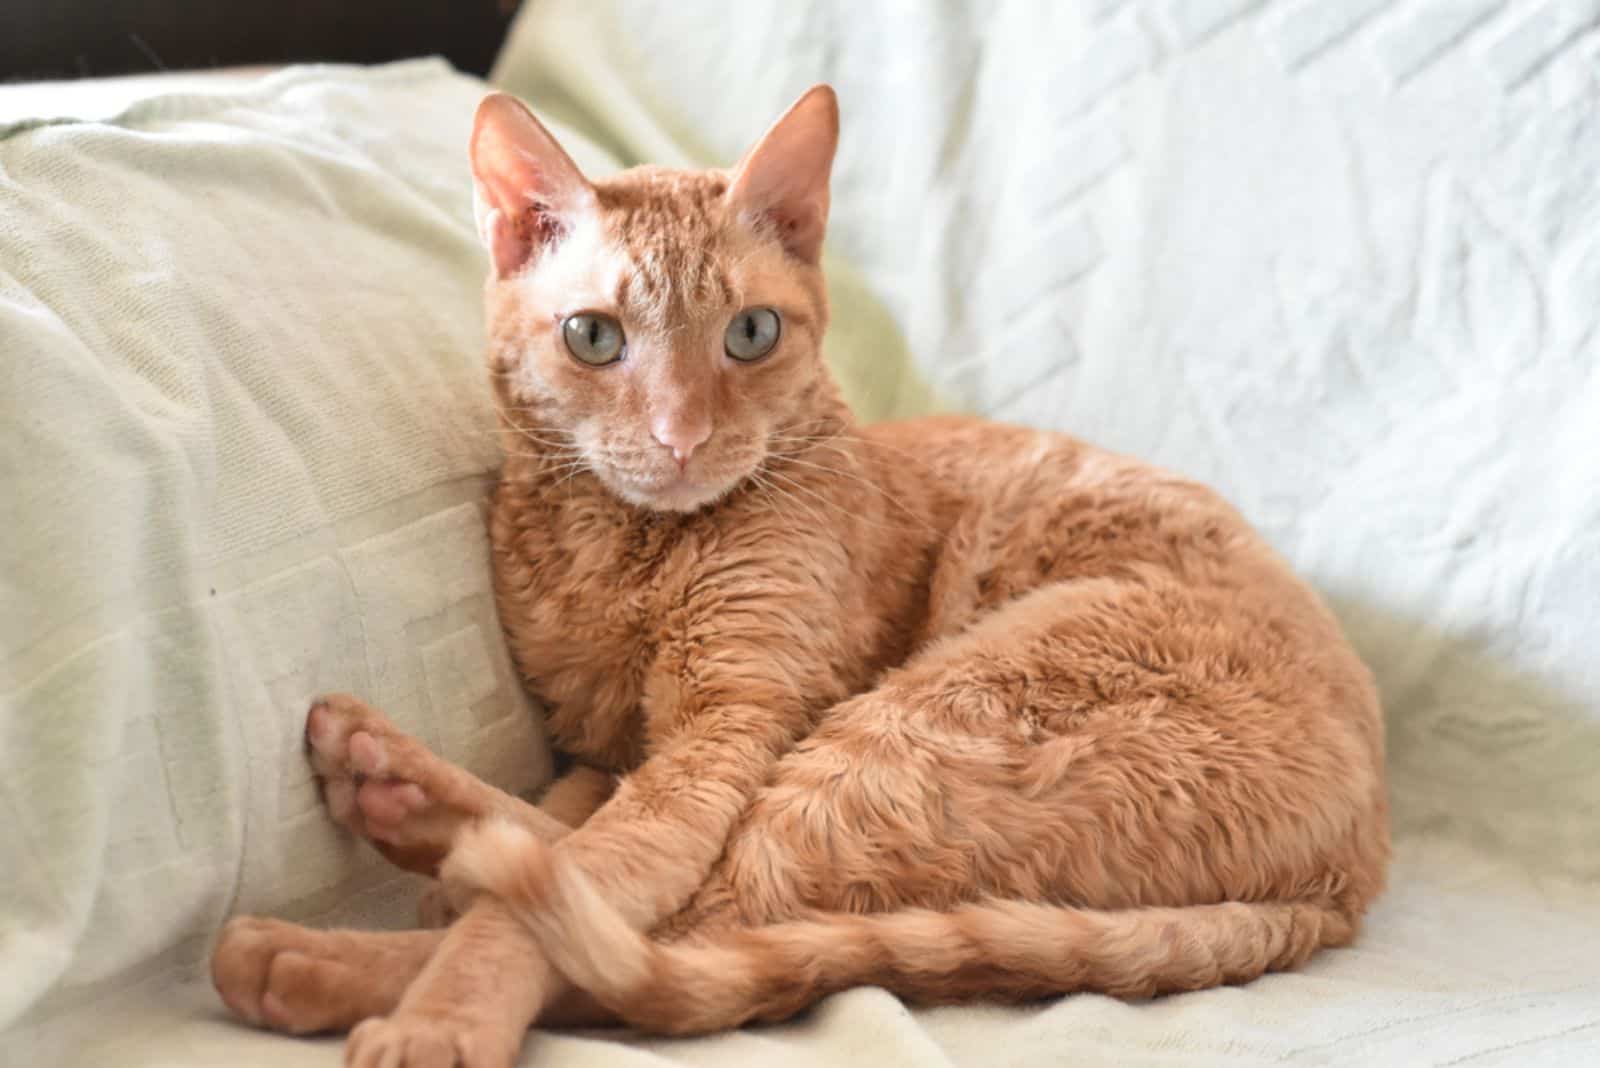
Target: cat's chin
x=677 y=495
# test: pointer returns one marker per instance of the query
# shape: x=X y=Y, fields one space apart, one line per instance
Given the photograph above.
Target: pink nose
x=681 y=436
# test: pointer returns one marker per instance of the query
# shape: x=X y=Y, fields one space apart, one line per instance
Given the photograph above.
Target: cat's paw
x=376 y=781
x=416 y=1040
x=286 y=977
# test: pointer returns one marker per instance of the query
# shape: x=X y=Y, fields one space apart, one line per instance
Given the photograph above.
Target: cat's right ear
x=527 y=192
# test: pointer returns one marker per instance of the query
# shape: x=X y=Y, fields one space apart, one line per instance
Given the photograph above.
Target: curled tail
x=720 y=979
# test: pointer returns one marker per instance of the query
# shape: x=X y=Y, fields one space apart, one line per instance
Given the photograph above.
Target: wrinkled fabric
x=1339 y=260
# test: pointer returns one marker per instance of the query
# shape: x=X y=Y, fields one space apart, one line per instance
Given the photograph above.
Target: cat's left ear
x=527 y=192
x=783 y=180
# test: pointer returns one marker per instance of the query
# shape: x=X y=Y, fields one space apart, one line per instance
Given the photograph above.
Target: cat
x=959 y=709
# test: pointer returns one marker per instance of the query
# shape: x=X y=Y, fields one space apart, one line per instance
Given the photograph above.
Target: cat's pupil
x=749 y=327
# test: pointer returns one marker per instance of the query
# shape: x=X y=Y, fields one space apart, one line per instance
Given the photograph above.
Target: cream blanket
x=1338 y=259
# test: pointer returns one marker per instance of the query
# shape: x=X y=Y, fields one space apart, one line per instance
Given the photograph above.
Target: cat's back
x=1024 y=507
x=962 y=451
x=1197 y=584
x=1002 y=468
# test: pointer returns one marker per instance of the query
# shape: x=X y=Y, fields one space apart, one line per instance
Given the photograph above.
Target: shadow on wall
x=1479 y=752
x=869 y=355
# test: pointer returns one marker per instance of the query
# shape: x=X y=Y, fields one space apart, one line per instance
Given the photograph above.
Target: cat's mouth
x=640 y=479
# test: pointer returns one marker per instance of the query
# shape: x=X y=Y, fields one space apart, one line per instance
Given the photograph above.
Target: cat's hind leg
x=390 y=789
x=301 y=980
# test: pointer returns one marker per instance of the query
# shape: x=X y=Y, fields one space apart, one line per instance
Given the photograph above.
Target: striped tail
x=720 y=979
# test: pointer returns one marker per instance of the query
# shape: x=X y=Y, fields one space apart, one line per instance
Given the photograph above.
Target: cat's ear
x=784 y=178
x=527 y=192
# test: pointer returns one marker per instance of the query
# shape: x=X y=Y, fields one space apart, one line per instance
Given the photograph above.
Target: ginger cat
x=958 y=709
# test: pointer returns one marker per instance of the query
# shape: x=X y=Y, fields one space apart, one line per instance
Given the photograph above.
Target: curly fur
x=1070 y=703
x=960 y=709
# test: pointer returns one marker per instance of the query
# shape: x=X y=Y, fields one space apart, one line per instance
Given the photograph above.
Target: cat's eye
x=752 y=334
x=593 y=338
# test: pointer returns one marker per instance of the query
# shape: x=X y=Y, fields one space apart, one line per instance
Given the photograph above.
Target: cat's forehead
x=670 y=230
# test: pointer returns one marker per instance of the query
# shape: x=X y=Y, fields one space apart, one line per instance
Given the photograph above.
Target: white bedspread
x=1340 y=258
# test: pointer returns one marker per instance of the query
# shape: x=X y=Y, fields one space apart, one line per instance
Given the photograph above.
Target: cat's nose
x=682 y=436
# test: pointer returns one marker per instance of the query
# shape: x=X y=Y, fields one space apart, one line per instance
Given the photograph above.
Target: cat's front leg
x=652 y=846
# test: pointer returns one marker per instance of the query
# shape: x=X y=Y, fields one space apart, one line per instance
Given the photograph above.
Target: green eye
x=592 y=338
x=752 y=334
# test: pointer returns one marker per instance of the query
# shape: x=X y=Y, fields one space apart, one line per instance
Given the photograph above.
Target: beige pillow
x=244 y=447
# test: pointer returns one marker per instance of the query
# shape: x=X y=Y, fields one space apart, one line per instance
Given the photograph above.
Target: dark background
x=93 y=38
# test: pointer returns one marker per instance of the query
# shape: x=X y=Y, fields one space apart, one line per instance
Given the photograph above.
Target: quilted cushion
x=244 y=449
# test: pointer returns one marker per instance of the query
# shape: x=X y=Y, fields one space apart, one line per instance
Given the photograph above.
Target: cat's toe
x=333 y=722
x=415 y=1041
x=366 y=755
x=387 y=805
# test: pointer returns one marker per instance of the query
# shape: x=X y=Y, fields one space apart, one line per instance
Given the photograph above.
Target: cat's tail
x=720 y=979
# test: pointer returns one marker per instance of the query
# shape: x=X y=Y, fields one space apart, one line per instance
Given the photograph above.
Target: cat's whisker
x=568 y=480
x=536 y=438
x=808 y=443
x=549 y=463
x=546 y=448
x=809 y=426
x=539 y=446
x=525 y=409
x=800 y=487
x=508 y=413
x=870 y=484
x=550 y=432
x=543 y=443
x=776 y=495
x=834 y=441
x=773 y=499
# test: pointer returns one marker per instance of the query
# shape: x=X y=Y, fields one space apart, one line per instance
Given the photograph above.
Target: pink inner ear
x=799 y=228
x=507 y=249
x=514 y=240
x=795 y=225
x=540 y=226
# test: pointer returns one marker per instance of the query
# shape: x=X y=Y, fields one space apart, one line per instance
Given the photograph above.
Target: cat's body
x=1078 y=680
x=960 y=709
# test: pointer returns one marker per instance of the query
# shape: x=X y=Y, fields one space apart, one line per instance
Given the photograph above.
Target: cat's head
x=662 y=328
